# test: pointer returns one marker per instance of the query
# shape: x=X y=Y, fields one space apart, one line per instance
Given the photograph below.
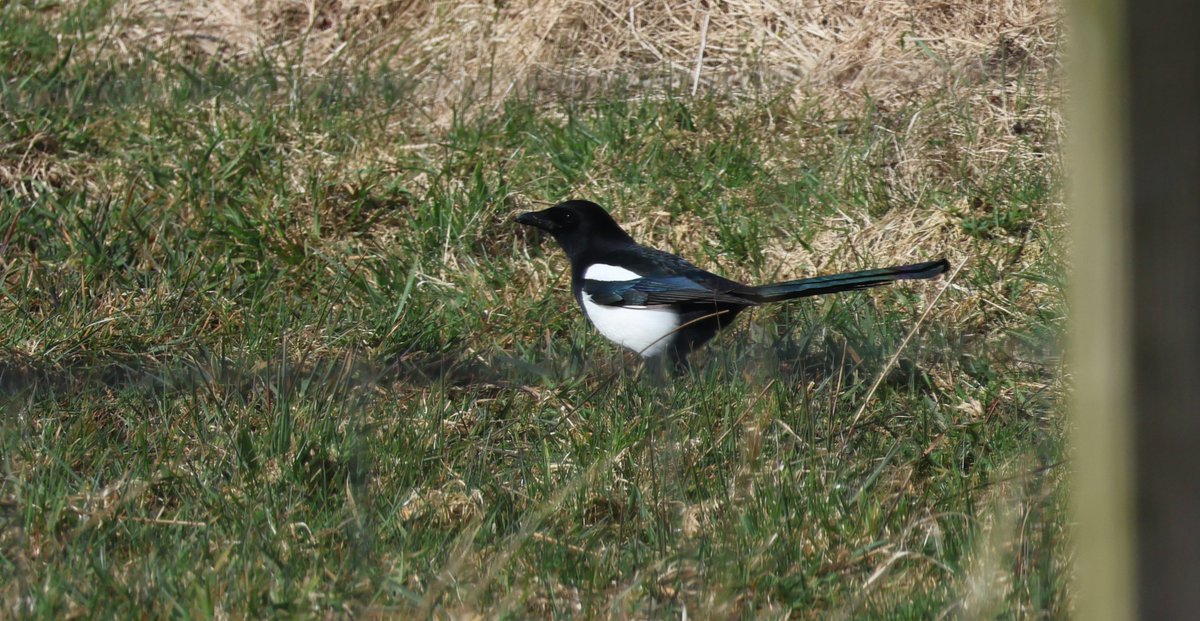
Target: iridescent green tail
x=819 y=285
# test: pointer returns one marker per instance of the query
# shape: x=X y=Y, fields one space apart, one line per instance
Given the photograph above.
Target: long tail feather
x=819 y=285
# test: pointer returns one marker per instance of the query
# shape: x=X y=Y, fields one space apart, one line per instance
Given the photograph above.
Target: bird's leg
x=666 y=365
x=680 y=365
x=675 y=360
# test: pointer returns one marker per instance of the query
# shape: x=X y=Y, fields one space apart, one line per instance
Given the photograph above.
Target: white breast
x=646 y=330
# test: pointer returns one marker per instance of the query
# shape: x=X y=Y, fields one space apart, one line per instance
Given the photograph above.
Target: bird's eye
x=569 y=217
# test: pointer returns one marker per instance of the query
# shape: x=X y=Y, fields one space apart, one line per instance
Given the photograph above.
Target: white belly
x=645 y=330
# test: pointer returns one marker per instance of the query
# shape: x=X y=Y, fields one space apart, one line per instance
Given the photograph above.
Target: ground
x=271 y=345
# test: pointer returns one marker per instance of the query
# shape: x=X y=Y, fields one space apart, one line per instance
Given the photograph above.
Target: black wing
x=656 y=290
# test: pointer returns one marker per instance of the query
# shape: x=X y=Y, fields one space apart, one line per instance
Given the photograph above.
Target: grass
x=271 y=346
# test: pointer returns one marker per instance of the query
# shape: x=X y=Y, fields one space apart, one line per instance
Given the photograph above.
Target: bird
x=660 y=305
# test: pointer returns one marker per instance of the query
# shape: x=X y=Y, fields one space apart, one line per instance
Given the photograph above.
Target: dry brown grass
x=840 y=52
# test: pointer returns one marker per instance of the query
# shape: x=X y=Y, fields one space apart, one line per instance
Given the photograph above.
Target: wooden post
x=1164 y=112
x=1135 y=195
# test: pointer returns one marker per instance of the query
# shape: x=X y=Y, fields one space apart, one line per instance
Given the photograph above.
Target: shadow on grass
x=837 y=365
x=188 y=371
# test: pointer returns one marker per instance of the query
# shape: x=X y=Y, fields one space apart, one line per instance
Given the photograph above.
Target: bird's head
x=576 y=225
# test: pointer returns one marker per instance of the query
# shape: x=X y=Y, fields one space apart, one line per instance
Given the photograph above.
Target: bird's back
x=651 y=263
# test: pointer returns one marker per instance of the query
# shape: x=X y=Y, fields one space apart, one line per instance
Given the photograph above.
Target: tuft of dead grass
x=476 y=53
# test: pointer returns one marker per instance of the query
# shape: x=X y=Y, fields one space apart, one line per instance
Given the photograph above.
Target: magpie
x=660 y=305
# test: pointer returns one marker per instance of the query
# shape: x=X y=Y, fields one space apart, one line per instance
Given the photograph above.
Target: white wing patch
x=609 y=273
x=645 y=330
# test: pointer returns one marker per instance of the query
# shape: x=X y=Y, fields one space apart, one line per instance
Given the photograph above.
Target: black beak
x=537 y=220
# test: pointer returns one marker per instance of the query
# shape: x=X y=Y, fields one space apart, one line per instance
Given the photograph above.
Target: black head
x=576 y=225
